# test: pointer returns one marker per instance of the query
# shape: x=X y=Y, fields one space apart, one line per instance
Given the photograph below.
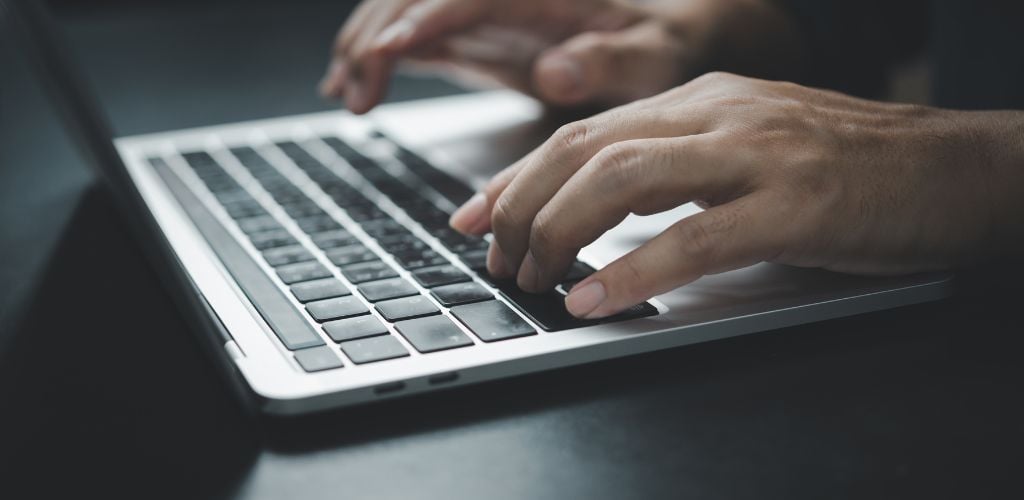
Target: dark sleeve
x=852 y=43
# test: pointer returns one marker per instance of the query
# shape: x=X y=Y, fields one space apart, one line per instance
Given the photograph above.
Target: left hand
x=790 y=175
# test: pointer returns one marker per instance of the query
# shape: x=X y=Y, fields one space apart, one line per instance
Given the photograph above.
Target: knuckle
x=617 y=157
x=503 y=218
x=731 y=101
x=713 y=78
x=695 y=240
x=573 y=136
x=545 y=236
x=617 y=166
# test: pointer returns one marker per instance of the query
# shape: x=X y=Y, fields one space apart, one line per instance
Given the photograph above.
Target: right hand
x=564 y=52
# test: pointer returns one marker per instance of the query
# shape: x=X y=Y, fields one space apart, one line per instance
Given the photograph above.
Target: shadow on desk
x=104 y=389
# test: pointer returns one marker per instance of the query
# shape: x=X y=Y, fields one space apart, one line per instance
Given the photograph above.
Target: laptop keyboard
x=370 y=286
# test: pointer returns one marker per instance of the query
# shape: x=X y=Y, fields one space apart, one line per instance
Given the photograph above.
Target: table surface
x=103 y=388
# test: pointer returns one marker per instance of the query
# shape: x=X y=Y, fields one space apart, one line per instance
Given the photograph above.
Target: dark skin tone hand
x=787 y=174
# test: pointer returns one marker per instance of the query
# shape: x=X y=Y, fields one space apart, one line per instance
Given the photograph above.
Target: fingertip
x=355 y=97
x=472 y=216
x=559 y=78
x=587 y=299
x=332 y=84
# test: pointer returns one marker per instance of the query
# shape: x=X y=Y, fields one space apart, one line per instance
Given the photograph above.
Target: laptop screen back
x=35 y=34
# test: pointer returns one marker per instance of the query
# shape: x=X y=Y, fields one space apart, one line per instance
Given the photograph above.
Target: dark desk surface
x=102 y=388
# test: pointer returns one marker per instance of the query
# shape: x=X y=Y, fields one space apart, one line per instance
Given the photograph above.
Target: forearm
x=751 y=37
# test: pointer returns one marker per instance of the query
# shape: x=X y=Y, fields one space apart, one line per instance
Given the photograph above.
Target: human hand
x=564 y=52
x=788 y=174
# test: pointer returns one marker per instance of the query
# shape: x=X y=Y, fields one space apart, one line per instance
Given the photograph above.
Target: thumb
x=610 y=67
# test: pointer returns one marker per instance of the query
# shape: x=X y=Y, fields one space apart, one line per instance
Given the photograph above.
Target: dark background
x=103 y=390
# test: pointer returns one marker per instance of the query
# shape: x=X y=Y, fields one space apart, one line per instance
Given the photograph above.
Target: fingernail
x=584 y=300
x=496 y=263
x=394 y=35
x=331 y=84
x=563 y=76
x=529 y=274
x=470 y=216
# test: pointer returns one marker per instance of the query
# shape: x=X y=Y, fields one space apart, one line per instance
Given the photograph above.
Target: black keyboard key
x=258 y=224
x=469 y=245
x=319 y=289
x=441 y=181
x=387 y=289
x=578 y=271
x=333 y=239
x=368 y=271
x=416 y=259
x=271 y=239
x=380 y=228
x=401 y=243
x=280 y=256
x=352 y=254
x=345 y=151
x=315 y=359
x=303 y=209
x=548 y=309
x=233 y=195
x=244 y=209
x=317 y=224
x=198 y=159
x=458 y=242
x=461 y=293
x=336 y=308
x=349 y=200
x=492 y=321
x=366 y=213
x=355 y=328
x=433 y=333
x=475 y=260
x=302 y=271
x=441 y=275
x=373 y=349
x=405 y=308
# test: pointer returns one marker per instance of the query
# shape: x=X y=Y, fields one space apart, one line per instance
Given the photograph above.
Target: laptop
x=313 y=256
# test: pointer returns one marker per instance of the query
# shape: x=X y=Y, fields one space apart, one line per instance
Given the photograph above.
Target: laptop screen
x=34 y=32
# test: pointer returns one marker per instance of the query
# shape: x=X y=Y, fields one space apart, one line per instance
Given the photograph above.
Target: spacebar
x=548 y=309
x=284 y=319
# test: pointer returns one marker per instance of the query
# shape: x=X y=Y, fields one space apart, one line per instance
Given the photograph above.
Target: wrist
x=751 y=37
x=996 y=140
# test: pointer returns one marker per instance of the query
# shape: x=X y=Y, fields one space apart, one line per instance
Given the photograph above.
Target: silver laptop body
x=303 y=322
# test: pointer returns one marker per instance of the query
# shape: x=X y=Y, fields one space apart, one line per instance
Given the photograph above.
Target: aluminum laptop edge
x=468 y=136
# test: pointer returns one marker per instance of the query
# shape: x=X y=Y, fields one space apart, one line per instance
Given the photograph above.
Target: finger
x=391 y=33
x=474 y=216
x=561 y=156
x=369 y=84
x=610 y=66
x=332 y=85
x=369 y=68
x=641 y=176
x=725 y=237
x=427 y=21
